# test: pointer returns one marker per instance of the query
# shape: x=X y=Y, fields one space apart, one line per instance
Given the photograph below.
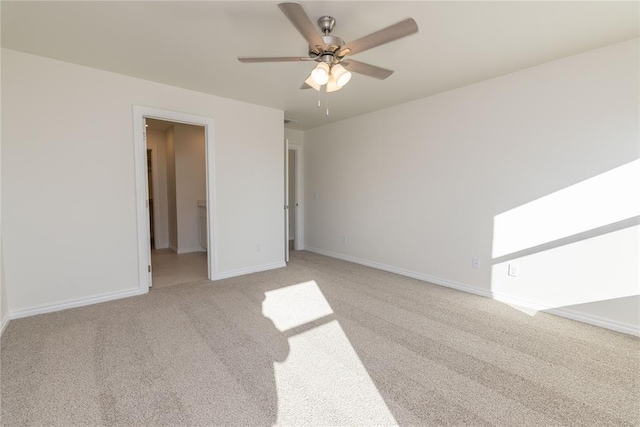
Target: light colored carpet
x=321 y=342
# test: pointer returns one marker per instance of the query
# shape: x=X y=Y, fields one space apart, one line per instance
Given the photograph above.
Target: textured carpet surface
x=321 y=342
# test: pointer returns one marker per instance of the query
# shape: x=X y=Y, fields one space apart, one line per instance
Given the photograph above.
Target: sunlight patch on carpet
x=323 y=382
x=295 y=305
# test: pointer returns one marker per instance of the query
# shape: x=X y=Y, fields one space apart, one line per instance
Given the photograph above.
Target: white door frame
x=140 y=158
x=286 y=201
x=298 y=205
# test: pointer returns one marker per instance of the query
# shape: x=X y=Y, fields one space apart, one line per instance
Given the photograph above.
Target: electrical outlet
x=344 y=240
x=513 y=270
x=258 y=247
x=475 y=263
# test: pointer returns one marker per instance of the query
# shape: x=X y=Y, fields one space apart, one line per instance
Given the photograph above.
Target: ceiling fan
x=333 y=69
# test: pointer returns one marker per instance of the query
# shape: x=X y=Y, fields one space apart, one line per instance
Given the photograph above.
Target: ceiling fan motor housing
x=333 y=43
x=326 y=24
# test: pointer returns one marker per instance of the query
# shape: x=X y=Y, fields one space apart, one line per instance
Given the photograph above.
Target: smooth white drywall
x=157 y=139
x=69 y=202
x=182 y=175
x=418 y=187
x=190 y=183
x=294 y=136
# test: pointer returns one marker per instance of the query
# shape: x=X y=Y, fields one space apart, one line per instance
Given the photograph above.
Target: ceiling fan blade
x=366 y=69
x=274 y=59
x=303 y=24
x=305 y=86
x=393 y=32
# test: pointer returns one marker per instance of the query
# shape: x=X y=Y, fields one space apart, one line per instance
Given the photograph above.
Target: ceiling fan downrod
x=332 y=43
x=326 y=24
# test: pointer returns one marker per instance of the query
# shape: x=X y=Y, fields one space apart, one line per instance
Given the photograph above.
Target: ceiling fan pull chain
x=327 y=102
x=320 y=90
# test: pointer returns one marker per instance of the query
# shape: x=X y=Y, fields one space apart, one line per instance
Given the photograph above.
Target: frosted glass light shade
x=312 y=83
x=320 y=74
x=332 y=85
x=341 y=75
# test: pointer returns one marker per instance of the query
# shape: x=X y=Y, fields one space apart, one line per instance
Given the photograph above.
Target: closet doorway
x=293 y=198
x=176 y=227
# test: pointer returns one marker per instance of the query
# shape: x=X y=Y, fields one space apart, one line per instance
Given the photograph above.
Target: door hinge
x=286 y=206
x=149 y=268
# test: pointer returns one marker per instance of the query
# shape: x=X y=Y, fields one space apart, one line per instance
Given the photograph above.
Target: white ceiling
x=195 y=44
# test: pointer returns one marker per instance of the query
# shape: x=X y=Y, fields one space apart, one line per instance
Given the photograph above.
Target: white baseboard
x=188 y=250
x=4 y=322
x=403 y=272
x=79 y=302
x=596 y=321
x=249 y=270
x=562 y=312
x=569 y=314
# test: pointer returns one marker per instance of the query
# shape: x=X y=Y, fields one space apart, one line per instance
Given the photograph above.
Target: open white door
x=148 y=211
x=286 y=200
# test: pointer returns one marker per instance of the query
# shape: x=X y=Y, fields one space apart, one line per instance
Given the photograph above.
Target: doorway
x=178 y=215
x=173 y=209
x=293 y=198
x=151 y=185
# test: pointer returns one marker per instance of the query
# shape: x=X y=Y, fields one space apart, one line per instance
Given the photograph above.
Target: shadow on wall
x=575 y=246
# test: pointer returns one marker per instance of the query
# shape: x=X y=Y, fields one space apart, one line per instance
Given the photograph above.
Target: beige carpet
x=321 y=342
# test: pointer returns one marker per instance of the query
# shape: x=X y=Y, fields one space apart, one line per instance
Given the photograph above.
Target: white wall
x=190 y=183
x=181 y=174
x=157 y=140
x=294 y=136
x=69 y=202
x=418 y=188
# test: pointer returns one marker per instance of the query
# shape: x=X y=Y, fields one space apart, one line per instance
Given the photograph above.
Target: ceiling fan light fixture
x=341 y=75
x=312 y=83
x=328 y=50
x=320 y=74
x=332 y=85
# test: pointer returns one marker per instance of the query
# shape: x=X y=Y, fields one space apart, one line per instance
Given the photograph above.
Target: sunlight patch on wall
x=295 y=305
x=596 y=269
x=602 y=200
x=323 y=382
